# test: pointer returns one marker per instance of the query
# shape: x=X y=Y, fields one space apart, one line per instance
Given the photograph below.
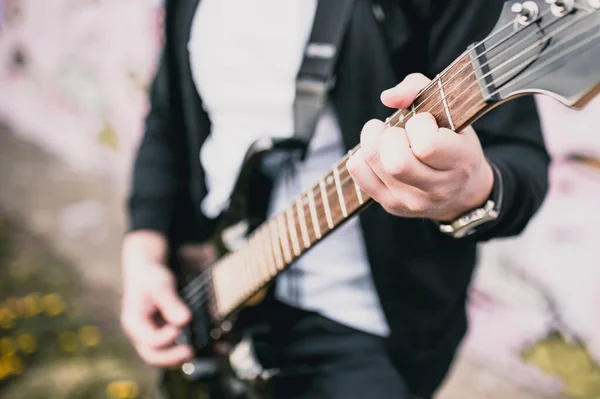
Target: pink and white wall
x=73 y=79
x=74 y=75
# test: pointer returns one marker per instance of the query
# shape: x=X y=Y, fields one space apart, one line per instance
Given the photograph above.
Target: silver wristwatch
x=467 y=224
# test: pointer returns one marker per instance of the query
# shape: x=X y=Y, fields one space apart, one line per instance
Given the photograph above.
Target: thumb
x=172 y=308
x=403 y=95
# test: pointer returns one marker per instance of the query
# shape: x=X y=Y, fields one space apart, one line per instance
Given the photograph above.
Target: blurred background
x=72 y=101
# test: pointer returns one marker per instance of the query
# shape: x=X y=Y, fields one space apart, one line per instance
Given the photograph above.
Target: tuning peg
x=561 y=7
x=517 y=8
x=527 y=12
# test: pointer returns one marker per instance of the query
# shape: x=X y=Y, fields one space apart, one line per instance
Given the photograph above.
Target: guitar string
x=190 y=285
x=418 y=107
x=190 y=294
x=449 y=67
x=519 y=79
x=495 y=69
x=487 y=50
x=431 y=84
x=476 y=82
x=548 y=62
x=500 y=78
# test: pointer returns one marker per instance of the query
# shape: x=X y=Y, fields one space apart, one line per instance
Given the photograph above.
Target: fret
x=283 y=238
x=445 y=102
x=239 y=284
x=359 y=195
x=313 y=213
x=403 y=118
x=235 y=297
x=338 y=186
x=243 y=284
x=251 y=275
x=263 y=264
x=230 y=295
x=268 y=249
x=294 y=234
x=259 y=258
x=463 y=93
x=349 y=192
x=302 y=222
x=219 y=293
x=431 y=101
x=393 y=119
x=310 y=220
x=274 y=240
x=239 y=261
x=412 y=109
x=321 y=213
x=332 y=200
x=258 y=255
x=225 y=270
x=325 y=200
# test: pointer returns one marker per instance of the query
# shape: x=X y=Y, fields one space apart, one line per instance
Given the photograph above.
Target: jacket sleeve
x=511 y=134
x=157 y=170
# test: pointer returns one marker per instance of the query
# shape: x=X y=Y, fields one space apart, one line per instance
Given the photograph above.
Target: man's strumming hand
x=152 y=313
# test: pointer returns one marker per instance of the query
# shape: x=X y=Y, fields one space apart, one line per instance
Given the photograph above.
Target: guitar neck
x=335 y=198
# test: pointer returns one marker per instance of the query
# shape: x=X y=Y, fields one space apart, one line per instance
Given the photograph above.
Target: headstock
x=550 y=47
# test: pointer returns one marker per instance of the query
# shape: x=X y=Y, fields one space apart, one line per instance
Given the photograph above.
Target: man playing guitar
x=377 y=309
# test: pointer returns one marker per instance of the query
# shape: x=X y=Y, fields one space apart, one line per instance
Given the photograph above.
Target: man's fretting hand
x=422 y=170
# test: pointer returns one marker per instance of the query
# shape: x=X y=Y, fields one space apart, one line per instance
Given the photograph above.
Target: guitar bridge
x=245 y=363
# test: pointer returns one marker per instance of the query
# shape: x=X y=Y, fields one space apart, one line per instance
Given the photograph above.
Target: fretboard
x=453 y=98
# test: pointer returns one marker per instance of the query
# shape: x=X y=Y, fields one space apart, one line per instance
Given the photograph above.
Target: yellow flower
x=27 y=343
x=7 y=346
x=68 y=341
x=53 y=304
x=123 y=389
x=89 y=335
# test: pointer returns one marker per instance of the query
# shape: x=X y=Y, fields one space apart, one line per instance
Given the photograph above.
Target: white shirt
x=245 y=55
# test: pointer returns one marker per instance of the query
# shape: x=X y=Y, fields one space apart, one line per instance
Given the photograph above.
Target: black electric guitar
x=549 y=47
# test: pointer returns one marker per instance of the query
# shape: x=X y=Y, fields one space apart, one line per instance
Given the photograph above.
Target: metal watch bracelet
x=467 y=223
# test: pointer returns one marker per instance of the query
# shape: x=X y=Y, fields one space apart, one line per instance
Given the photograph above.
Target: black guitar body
x=226 y=366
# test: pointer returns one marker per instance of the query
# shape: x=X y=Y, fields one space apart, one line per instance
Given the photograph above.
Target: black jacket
x=421 y=276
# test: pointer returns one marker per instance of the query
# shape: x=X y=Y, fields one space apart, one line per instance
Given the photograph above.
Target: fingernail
x=183 y=317
x=386 y=93
x=349 y=160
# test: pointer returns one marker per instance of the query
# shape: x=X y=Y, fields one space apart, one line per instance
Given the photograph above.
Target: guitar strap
x=316 y=75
